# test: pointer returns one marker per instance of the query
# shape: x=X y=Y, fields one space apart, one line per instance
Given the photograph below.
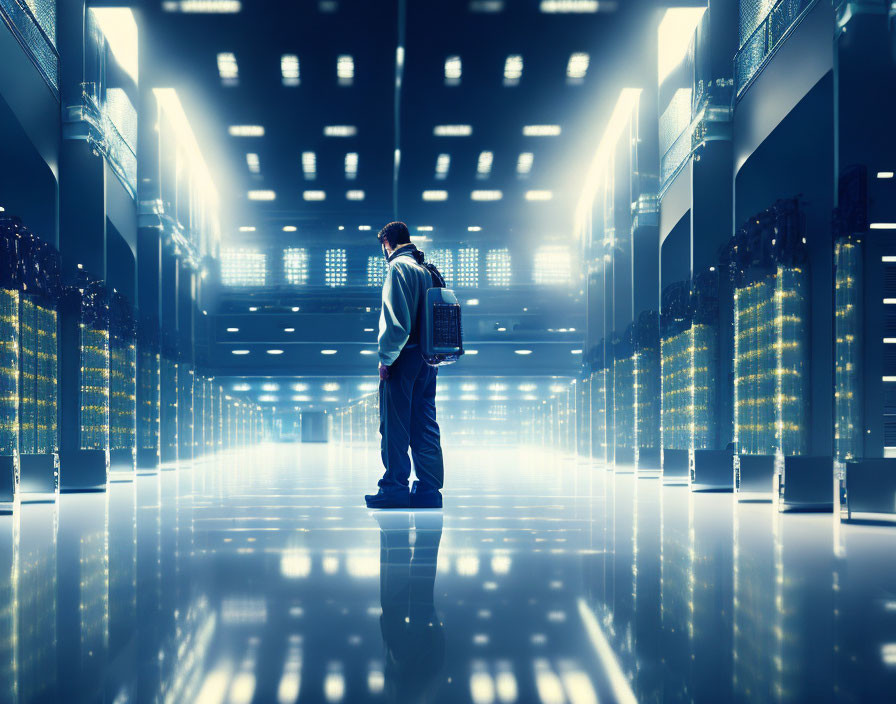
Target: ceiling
x=392 y=105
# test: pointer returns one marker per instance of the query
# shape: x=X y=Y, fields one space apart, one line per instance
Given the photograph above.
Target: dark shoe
x=391 y=499
x=423 y=497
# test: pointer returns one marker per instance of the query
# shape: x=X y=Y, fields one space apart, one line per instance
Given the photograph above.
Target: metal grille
x=120 y=129
x=34 y=24
x=675 y=136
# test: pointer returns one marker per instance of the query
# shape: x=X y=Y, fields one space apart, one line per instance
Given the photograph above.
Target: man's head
x=393 y=236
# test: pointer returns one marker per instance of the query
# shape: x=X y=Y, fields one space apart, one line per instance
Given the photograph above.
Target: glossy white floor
x=260 y=577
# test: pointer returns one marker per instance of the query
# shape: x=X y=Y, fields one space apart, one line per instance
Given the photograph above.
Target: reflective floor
x=259 y=577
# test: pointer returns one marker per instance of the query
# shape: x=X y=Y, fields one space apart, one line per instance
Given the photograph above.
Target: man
x=407 y=383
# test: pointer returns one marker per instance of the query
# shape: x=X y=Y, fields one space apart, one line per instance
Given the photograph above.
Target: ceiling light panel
x=314 y=195
x=246 y=131
x=486 y=195
x=203 y=7
x=345 y=69
x=351 y=166
x=340 y=131
x=524 y=163
x=484 y=165
x=569 y=6
x=452 y=130
x=253 y=163
x=354 y=195
x=335 y=271
x=295 y=266
x=262 y=195
x=453 y=70
x=577 y=68
x=309 y=165
x=290 y=70
x=539 y=195
x=541 y=130
x=435 y=195
x=228 y=69
x=513 y=70
x=443 y=163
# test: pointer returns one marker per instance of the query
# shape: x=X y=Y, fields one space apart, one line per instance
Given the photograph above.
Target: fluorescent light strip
x=524 y=163
x=253 y=162
x=452 y=130
x=577 y=66
x=885 y=174
x=443 y=163
x=474 y=228
x=239 y=352
x=486 y=195
x=513 y=70
x=203 y=7
x=363 y=228
x=340 y=131
x=541 y=130
x=484 y=164
x=290 y=70
x=453 y=70
x=262 y=195
x=539 y=195
x=424 y=228
x=309 y=165
x=435 y=195
x=228 y=69
x=247 y=228
x=883 y=226
x=888 y=258
x=314 y=195
x=289 y=228
x=354 y=195
x=571 y=6
x=345 y=69
x=246 y=131
x=351 y=165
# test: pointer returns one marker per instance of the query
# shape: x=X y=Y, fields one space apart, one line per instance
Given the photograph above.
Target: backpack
x=441 y=331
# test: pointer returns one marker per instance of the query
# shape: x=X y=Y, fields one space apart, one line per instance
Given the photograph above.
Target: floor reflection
x=259 y=577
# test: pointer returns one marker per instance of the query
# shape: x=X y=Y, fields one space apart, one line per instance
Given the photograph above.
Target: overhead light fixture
x=523 y=352
x=486 y=6
x=253 y=162
x=328 y=352
x=290 y=70
x=443 y=163
x=270 y=386
x=228 y=69
x=883 y=226
x=885 y=174
x=473 y=302
x=571 y=6
x=363 y=228
x=247 y=228
x=289 y=329
x=239 y=352
x=252 y=309
x=331 y=386
x=275 y=352
x=577 y=67
x=513 y=70
x=233 y=329
x=484 y=164
x=424 y=228
x=368 y=351
x=354 y=195
x=309 y=165
x=295 y=309
x=541 y=130
x=539 y=195
x=120 y=30
x=289 y=228
x=453 y=69
x=524 y=163
x=474 y=228
x=262 y=195
x=435 y=195
x=345 y=69
x=486 y=195
x=242 y=387
x=246 y=131
x=301 y=397
x=452 y=130
x=351 y=165
x=340 y=131
x=575 y=351
x=674 y=36
x=314 y=195
x=203 y=7
x=267 y=398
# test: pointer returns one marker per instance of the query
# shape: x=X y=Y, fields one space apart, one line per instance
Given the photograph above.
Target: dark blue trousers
x=408 y=419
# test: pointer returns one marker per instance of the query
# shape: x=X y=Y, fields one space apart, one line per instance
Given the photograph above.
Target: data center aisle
x=259 y=577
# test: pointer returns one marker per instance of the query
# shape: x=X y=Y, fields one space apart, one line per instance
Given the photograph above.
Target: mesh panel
x=120 y=128
x=752 y=12
x=34 y=23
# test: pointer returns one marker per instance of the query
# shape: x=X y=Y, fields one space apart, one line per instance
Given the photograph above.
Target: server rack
x=185 y=423
x=9 y=363
x=149 y=408
x=676 y=343
x=38 y=368
x=624 y=438
x=599 y=407
x=168 y=441
x=122 y=385
x=646 y=389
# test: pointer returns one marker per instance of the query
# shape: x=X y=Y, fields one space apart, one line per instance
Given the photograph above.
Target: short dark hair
x=395 y=233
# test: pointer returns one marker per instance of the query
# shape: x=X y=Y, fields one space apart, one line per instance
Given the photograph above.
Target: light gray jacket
x=403 y=291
